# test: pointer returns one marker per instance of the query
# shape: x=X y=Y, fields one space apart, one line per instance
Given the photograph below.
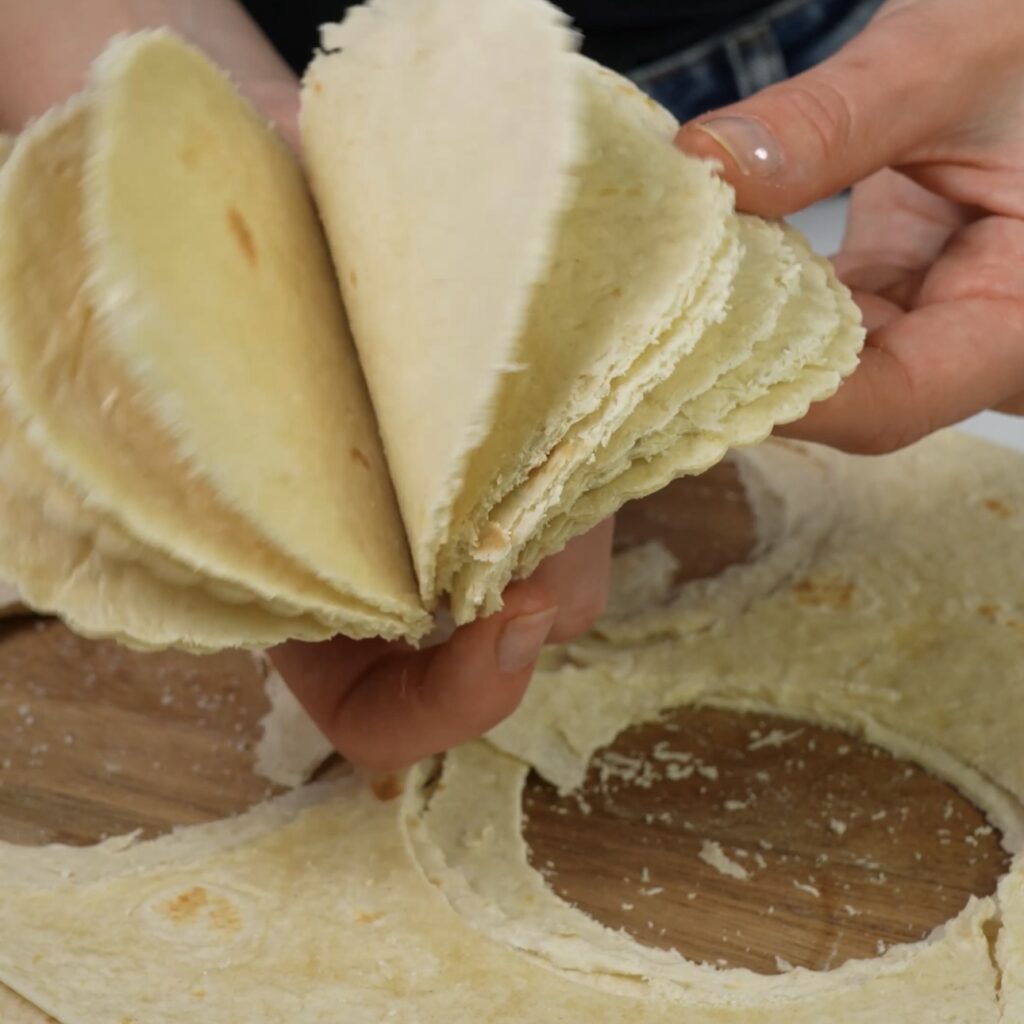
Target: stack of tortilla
x=222 y=428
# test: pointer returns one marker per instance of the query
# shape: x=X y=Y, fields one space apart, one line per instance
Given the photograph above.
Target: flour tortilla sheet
x=15 y=1010
x=547 y=263
x=424 y=908
x=294 y=910
x=766 y=279
x=91 y=412
x=68 y=557
x=813 y=342
x=65 y=571
x=439 y=139
x=644 y=262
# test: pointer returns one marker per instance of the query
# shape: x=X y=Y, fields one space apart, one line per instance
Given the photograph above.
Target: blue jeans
x=787 y=38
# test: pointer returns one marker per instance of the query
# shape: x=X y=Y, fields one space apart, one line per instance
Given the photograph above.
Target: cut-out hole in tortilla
x=761 y=842
x=704 y=521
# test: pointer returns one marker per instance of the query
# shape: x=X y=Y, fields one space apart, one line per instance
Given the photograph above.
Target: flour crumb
x=776 y=738
x=811 y=890
x=714 y=856
x=837 y=826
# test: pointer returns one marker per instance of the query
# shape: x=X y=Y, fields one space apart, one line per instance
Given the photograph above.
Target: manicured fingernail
x=752 y=146
x=522 y=639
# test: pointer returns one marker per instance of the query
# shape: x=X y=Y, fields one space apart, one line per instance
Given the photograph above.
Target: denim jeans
x=787 y=38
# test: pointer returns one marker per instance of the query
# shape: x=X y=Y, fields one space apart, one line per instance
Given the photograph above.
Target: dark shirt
x=623 y=34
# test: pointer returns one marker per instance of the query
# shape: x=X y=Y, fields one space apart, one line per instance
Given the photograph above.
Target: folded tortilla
x=230 y=426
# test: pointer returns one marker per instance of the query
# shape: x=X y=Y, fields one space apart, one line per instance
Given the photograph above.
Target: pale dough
x=406 y=901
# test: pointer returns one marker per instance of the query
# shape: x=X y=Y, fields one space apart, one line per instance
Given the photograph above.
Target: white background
x=823 y=225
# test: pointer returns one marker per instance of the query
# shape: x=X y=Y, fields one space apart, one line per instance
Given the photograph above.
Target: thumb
x=822 y=131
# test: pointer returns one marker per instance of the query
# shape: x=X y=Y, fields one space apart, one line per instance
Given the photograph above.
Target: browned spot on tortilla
x=243 y=235
x=636 y=190
x=359 y=457
x=369 y=918
x=318 y=86
x=616 y=293
x=224 y=915
x=353 y=278
x=198 y=993
x=999 y=508
x=189 y=155
x=989 y=611
x=493 y=540
x=387 y=788
x=824 y=593
x=608 y=192
x=186 y=905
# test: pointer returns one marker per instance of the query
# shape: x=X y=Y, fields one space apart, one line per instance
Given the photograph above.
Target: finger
x=894 y=221
x=876 y=310
x=579 y=577
x=1013 y=406
x=384 y=705
x=896 y=285
x=822 y=131
x=278 y=101
x=922 y=371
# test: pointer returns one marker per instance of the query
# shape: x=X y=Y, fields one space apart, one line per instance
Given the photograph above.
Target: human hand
x=385 y=705
x=924 y=114
x=40 y=67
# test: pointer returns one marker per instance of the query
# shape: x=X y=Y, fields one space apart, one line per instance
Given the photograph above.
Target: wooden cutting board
x=826 y=848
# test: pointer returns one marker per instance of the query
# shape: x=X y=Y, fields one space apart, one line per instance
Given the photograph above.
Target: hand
x=40 y=67
x=924 y=114
x=386 y=705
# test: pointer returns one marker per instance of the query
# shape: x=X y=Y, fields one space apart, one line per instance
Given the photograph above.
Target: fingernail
x=752 y=146
x=522 y=639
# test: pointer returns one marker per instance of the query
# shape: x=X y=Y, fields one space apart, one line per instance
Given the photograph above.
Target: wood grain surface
x=835 y=849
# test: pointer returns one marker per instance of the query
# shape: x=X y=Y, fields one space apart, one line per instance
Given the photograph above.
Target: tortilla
x=100 y=594
x=547 y=349
x=415 y=901
x=766 y=280
x=291 y=747
x=93 y=423
x=644 y=264
x=774 y=384
x=554 y=310
x=438 y=253
x=15 y=1010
